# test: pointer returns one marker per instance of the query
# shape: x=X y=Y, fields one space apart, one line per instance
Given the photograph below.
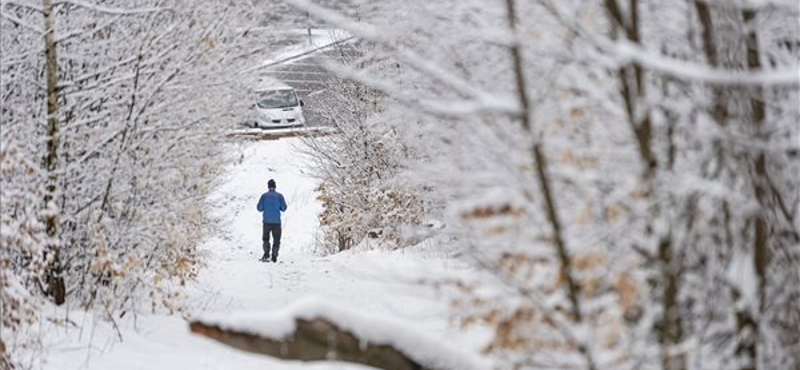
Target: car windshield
x=277 y=99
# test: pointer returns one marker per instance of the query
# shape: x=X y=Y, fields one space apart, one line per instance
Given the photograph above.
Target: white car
x=277 y=105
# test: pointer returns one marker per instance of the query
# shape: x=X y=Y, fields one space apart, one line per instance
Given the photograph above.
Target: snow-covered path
x=235 y=253
x=379 y=282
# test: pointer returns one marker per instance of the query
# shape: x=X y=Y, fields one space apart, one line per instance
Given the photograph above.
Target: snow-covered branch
x=626 y=52
x=755 y=4
x=110 y=10
x=20 y=22
x=450 y=108
x=35 y=9
x=419 y=62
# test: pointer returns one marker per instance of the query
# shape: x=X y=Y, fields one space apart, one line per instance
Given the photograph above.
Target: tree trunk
x=632 y=86
x=719 y=109
x=540 y=164
x=314 y=340
x=5 y=362
x=747 y=324
x=670 y=331
x=54 y=274
x=632 y=89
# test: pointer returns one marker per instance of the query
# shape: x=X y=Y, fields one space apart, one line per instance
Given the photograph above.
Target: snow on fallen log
x=280 y=133
x=318 y=331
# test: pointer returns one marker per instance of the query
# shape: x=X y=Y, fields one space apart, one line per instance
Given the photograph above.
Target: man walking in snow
x=271 y=204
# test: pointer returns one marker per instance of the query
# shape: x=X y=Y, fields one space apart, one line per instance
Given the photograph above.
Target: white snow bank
x=280 y=324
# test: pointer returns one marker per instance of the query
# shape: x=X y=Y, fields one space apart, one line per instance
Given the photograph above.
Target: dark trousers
x=275 y=229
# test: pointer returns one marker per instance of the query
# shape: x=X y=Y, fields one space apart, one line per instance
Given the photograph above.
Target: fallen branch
x=319 y=330
x=256 y=134
x=313 y=340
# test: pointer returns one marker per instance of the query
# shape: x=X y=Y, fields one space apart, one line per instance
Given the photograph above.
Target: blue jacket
x=271 y=205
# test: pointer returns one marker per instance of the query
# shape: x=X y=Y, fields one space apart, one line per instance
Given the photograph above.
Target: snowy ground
x=383 y=283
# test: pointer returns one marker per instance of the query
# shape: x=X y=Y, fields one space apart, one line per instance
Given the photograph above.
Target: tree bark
x=719 y=109
x=670 y=331
x=314 y=340
x=5 y=362
x=54 y=274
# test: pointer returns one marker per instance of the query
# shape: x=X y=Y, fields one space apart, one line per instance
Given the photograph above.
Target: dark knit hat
x=271 y=184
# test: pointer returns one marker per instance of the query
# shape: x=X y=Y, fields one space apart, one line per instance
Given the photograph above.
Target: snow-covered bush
x=357 y=164
x=360 y=195
x=21 y=257
x=381 y=213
